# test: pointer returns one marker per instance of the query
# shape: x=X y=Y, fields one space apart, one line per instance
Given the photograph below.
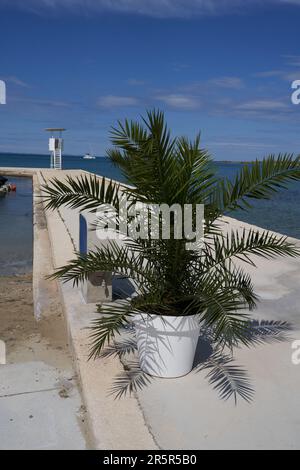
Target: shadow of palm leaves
x=120 y=348
x=271 y=331
x=227 y=378
x=130 y=380
x=256 y=332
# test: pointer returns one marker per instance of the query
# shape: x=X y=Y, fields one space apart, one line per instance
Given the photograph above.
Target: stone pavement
x=40 y=408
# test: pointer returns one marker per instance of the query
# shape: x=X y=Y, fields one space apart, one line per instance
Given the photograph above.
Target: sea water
x=16 y=228
x=280 y=214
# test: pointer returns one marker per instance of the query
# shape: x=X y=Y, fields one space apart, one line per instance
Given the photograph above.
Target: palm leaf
x=83 y=192
x=241 y=245
x=111 y=258
x=259 y=180
x=102 y=330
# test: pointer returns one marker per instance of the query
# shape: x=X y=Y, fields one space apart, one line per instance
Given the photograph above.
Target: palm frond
x=195 y=164
x=128 y=137
x=242 y=244
x=83 y=192
x=103 y=329
x=111 y=258
x=232 y=278
x=257 y=180
x=225 y=309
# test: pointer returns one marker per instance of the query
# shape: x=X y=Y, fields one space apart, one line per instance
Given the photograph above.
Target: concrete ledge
x=10 y=171
x=114 y=424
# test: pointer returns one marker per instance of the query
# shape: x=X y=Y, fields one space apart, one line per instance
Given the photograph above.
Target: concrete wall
x=113 y=424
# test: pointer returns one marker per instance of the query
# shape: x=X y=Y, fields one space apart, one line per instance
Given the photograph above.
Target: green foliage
x=170 y=279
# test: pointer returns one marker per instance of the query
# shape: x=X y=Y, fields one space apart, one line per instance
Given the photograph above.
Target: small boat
x=6 y=187
x=89 y=156
x=3 y=180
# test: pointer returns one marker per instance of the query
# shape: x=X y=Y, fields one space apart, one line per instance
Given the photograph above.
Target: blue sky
x=224 y=68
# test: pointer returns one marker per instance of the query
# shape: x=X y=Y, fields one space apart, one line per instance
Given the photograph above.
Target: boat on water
x=89 y=156
x=6 y=187
x=3 y=180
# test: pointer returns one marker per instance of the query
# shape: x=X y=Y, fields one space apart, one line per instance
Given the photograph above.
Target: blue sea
x=281 y=214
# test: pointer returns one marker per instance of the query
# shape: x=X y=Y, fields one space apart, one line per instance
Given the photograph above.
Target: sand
x=25 y=338
x=29 y=341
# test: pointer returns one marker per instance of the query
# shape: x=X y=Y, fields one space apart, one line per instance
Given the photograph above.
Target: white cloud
x=293 y=60
x=114 y=101
x=262 y=105
x=290 y=77
x=228 y=82
x=179 y=67
x=179 y=101
x=135 y=82
x=254 y=145
x=42 y=102
x=268 y=74
x=156 y=8
x=16 y=81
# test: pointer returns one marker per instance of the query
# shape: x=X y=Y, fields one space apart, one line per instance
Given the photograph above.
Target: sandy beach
x=36 y=354
x=16 y=311
x=25 y=338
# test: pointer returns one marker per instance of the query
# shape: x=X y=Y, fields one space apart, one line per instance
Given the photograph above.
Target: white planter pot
x=166 y=345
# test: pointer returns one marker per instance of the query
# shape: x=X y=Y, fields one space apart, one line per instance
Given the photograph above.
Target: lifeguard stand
x=56 y=146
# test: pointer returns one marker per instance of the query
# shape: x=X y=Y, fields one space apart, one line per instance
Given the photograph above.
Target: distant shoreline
x=46 y=155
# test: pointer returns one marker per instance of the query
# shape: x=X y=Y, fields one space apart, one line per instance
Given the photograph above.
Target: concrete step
x=27 y=377
x=40 y=408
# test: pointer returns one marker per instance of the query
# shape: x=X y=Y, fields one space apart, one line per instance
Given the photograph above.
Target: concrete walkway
x=188 y=413
x=39 y=408
x=113 y=424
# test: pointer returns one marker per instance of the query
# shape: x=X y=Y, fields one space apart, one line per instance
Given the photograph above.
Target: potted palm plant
x=178 y=289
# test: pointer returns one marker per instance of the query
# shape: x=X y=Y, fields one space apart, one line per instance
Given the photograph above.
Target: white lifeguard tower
x=56 y=145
